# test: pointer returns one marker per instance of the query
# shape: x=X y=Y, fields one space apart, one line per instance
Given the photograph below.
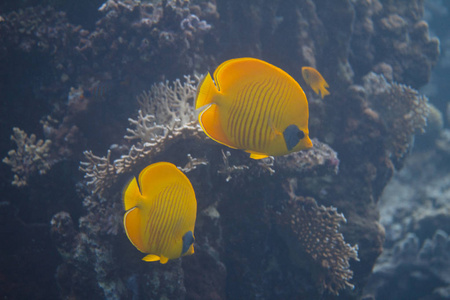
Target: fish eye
x=300 y=134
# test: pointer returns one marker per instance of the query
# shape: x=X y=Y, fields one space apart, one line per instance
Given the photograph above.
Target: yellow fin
x=205 y=92
x=131 y=194
x=323 y=90
x=151 y=257
x=132 y=224
x=163 y=259
x=235 y=70
x=209 y=121
x=257 y=155
x=154 y=177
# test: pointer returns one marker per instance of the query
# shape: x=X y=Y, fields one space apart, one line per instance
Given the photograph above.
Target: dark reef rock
x=414 y=210
x=79 y=83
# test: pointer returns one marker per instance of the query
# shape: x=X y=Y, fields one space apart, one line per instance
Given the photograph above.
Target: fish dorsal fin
x=154 y=178
x=132 y=224
x=151 y=257
x=235 y=70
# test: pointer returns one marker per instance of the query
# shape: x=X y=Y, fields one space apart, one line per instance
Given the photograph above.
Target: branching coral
x=30 y=156
x=402 y=110
x=316 y=230
x=166 y=112
x=164 y=107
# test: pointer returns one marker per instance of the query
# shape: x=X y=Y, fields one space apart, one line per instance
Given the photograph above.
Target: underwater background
x=92 y=92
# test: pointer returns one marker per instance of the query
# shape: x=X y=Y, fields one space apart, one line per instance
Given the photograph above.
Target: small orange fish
x=160 y=212
x=315 y=80
x=254 y=106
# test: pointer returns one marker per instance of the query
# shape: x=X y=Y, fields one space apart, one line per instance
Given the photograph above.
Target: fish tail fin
x=131 y=194
x=205 y=92
x=323 y=90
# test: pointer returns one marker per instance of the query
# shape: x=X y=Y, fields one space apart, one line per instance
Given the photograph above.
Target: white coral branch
x=29 y=157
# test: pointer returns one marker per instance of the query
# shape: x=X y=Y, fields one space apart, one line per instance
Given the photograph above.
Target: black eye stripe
x=292 y=136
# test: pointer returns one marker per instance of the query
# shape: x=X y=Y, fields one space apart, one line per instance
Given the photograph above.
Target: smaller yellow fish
x=315 y=80
x=160 y=212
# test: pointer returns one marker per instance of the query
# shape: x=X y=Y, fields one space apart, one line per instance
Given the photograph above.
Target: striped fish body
x=251 y=105
x=160 y=212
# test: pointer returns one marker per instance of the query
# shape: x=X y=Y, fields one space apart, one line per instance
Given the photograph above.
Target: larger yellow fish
x=254 y=106
x=315 y=80
x=160 y=212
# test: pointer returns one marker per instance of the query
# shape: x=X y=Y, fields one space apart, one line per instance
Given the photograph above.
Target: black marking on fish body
x=188 y=240
x=292 y=135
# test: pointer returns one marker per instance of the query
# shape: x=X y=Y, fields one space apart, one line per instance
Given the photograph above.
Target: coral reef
x=165 y=121
x=422 y=267
x=122 y=49
x=166 y=113
x=30 y=157
x=401 y=109
x=78 y=81
x=415 y=212
x=316 y=229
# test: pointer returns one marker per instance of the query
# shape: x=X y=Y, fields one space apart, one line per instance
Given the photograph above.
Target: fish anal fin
x=257 y=155
x=152 y=257
x=132 y=224
x=163 y=259
x=212 y=127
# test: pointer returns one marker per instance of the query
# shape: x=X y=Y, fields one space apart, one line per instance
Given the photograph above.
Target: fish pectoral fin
x=273 y=131
x=163 y=259
x=152 y=257
x=255 y=155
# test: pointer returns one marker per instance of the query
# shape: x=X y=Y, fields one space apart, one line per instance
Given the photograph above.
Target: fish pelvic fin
x=152 y=257
x=205 y=92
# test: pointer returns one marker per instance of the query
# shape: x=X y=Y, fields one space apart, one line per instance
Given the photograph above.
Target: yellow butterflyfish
x=254 y=106
x=160 y=212
x=315 y=80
